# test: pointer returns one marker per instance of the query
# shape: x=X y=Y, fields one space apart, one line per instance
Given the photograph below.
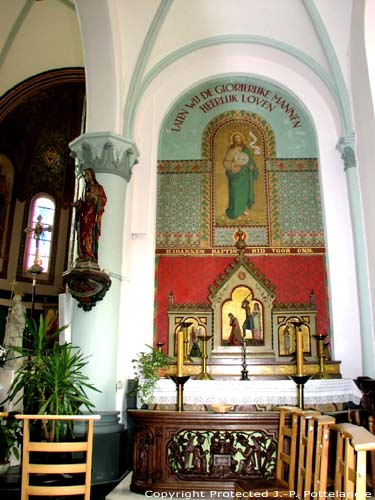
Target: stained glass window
x=39 y=234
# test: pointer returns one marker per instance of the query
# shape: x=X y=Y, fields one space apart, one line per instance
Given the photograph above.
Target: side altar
x=199 y=449
x=257 y=395
x=244 y=319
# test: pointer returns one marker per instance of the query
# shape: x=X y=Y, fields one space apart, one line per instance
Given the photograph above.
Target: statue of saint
x=15 y=325
x=89 y=212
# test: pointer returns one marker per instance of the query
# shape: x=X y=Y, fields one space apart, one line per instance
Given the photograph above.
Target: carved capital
x=105 y=153
x=346 y=146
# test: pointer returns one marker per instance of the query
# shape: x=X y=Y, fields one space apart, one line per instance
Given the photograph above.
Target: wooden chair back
x=80 y=469
x=313 y=449
x=284 y=481
x=286 y=458
x=353 y=443
x=361 y=417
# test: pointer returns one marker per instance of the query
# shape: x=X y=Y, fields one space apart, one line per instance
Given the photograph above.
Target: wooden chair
x=361 y=417
x=353 y=443
x=82 y=469
x=313 y=449
x=284 y=481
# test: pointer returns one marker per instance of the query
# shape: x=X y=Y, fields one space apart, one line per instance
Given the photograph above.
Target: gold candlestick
x=179 y=381
x=300 y=381
x=321 y=355
x=204 y=375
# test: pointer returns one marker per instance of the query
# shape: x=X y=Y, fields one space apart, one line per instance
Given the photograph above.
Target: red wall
x=189 y=278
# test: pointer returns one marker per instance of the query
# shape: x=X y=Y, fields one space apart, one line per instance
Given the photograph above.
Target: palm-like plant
x=10 y=438
x=50 y=379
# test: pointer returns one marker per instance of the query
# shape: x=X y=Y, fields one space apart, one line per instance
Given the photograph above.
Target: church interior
x=192 y=178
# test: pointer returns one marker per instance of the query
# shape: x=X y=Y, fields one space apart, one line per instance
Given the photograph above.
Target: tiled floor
x=122 y=491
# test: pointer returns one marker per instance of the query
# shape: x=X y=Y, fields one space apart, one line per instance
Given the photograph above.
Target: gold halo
x=231 y=137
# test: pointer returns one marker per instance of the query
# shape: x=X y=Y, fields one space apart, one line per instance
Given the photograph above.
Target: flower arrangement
x=147 y=366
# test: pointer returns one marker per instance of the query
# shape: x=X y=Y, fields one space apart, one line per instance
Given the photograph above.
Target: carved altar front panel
x=206 y=451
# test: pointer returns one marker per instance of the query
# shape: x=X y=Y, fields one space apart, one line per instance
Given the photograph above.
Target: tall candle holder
x=321 y=355
x=204 y=375
x=244 y=372
x=300 y=381
x=180 y=382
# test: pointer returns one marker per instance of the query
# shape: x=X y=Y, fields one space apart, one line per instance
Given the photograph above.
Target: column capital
x=346 y=146
x=105 y=152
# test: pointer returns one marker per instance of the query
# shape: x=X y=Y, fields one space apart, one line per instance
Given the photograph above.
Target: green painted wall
x=181 y=132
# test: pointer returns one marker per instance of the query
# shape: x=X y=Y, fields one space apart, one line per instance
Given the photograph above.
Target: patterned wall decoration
x=295 y=204
x=184 y=200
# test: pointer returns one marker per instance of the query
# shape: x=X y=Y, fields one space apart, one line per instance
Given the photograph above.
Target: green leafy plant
x=50 y=379
x=147 y=367
x=10 y=438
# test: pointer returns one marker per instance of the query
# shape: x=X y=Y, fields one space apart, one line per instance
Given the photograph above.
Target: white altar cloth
x=258 y=392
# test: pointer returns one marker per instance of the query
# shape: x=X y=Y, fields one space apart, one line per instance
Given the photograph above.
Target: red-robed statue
x=89 y=211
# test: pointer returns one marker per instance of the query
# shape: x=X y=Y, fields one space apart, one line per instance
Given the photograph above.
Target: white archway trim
x=221 y=40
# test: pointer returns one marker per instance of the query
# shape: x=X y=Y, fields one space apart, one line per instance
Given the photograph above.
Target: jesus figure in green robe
x=241 y=172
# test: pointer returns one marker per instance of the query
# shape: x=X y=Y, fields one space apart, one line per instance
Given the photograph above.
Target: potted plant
x=147 y=367
x=10 y=440
x=50 y=379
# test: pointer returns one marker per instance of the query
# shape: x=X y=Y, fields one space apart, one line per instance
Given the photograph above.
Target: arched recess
x=160 y=96
x=267 y=192
x=6 y=210
x=48 y=109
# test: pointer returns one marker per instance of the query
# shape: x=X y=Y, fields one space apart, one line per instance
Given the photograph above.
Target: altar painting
x=242 y=318
x=242 y=301
x=239 y=175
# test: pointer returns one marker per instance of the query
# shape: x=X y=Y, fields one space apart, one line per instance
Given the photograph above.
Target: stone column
x=96 y=331
x=346 y=146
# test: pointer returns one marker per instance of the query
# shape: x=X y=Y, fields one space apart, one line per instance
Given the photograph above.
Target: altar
x=327 y=394
x=199 y=449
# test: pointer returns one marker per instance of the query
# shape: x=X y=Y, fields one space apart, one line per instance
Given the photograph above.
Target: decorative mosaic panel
x=296 y=211
x=185 y=210
x=183 y=213
x=256 y=236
